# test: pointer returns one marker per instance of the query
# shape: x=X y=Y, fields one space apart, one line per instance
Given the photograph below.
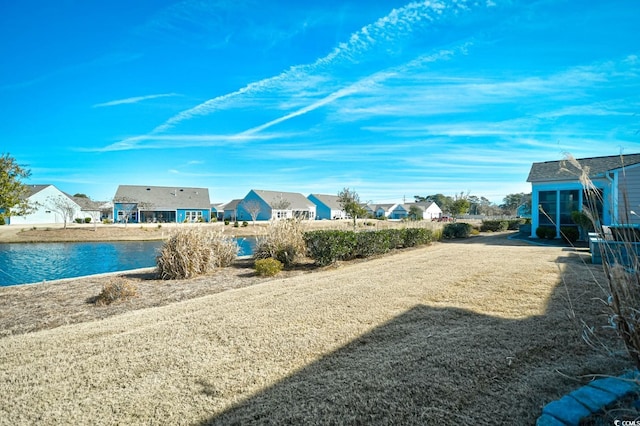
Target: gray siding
x=629 y=188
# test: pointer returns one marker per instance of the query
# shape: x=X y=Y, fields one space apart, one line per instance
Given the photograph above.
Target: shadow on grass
x=442 y=365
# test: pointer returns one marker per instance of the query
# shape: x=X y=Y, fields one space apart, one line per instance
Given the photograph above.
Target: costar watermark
x=626 y=422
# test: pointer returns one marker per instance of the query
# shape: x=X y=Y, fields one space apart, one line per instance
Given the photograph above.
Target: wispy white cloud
x=184 y=141
x=134 y=100
x=396 y=24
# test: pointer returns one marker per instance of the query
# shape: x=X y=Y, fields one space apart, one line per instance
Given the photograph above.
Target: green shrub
x=412 y=237
x=370 y=243
x=87 y=220
x=284 y=241
x=546 y=232
x=268 y=267
x=514 y=224
x=494 y=225
x=226 y=221
x=245 y=223
x=2 y=221
x=570 y=234
x=236 y=224
x=456 y=230
x=328 y=246
x=192 y=252
x=116 y=289
x=78 y=220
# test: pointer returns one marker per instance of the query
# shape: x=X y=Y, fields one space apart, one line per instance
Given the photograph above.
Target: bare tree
x=128 y=207
x=280 y=204
x=253 y=207
x=64 y=206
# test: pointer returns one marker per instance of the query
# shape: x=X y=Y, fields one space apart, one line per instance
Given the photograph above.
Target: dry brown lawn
x=481 y=331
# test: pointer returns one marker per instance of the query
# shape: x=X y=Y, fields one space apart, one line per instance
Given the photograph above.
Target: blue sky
x=389 y=98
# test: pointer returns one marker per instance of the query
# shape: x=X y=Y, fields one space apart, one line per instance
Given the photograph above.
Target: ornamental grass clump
x=116 y=289
x=620 y=261
x=284 y=242
x=195 y=251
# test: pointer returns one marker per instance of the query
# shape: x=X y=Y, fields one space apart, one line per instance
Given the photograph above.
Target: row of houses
x=159 y=204
x=558 y=188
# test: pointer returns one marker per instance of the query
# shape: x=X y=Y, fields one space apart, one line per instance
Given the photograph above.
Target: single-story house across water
x=327 y=206
x=149 y=204
x=268 y=205
x=49 y=205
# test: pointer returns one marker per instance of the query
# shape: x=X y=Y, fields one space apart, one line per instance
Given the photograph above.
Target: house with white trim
x=151 y=204
x=46 y=202
x=217 y=211
x=558 y=188
x=428 y=210
x=327 y=206
x=230 y=209
x=384 y=210
x=268 y=205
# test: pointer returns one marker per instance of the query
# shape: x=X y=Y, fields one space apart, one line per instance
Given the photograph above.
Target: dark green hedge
x=328 y=246
x=569 y=234
x=494 y=225
x=548 y=232
x=457 y=230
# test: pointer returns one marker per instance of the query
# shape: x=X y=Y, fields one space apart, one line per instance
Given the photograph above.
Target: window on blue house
x=547 y=207
x=593 y=201
x=569 y=202
x=193 y=216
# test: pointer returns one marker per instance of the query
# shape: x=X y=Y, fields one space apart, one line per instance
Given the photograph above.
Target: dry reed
x=619 y=260
x=196 y=251
x=284 y=242
x=116 y=289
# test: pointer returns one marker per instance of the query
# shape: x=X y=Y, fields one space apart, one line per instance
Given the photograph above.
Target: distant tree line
x=465 y=203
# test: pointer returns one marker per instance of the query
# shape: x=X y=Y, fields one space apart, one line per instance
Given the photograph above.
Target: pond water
x=24 y=263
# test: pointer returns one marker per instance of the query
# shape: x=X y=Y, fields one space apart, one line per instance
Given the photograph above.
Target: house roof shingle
x=164 y=197
x=296 y=200
x=567 y=170
x=331 y=201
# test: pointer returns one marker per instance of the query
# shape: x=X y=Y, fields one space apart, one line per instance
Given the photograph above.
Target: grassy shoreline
x=485 y=330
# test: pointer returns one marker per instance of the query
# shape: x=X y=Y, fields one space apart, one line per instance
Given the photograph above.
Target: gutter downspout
x=615 y=213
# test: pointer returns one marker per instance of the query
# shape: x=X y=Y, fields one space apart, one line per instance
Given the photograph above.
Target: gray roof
x=385 y=207
x=164 y=197
x=422 y=206
x=88 y=205
x=567 y=170
x=331 y=201
x=231 y=205
x=296 y=200
x=34 y=189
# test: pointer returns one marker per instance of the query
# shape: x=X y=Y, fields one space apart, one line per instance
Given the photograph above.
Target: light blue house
x=611 y=190
x=327 y=206
x=151 y=204
x=268 y=205
x=230 y=209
